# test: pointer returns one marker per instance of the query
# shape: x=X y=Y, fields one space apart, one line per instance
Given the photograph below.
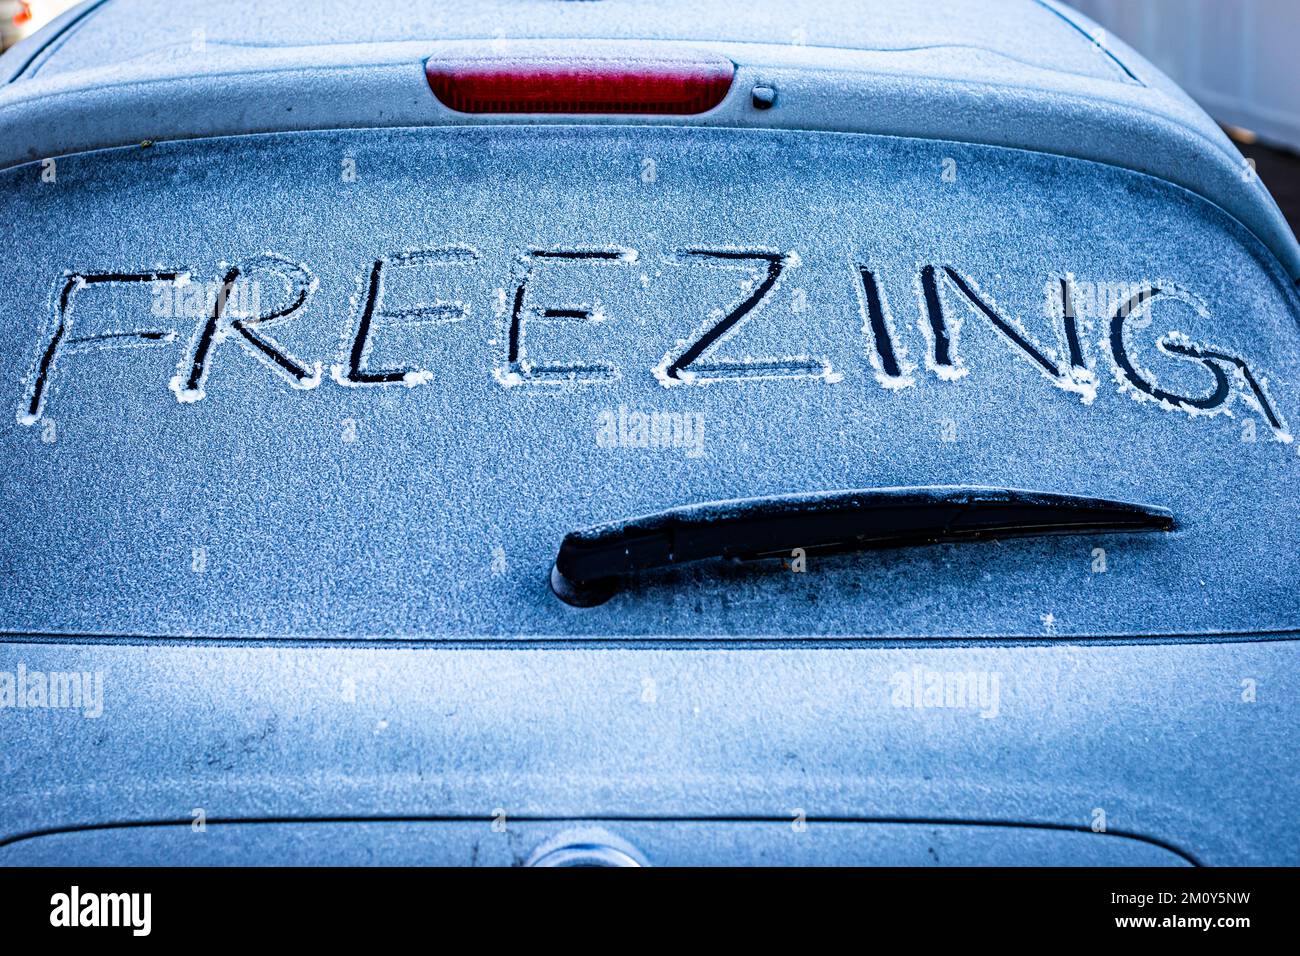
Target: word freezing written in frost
x=702 y=358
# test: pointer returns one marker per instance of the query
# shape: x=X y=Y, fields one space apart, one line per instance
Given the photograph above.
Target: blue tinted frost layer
x=764 y=842
x=161 y=30
x=1156 y=736
x=433 y=505
x=1029 y=74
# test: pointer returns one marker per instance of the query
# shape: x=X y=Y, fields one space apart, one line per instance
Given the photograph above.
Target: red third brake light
x=680 y=83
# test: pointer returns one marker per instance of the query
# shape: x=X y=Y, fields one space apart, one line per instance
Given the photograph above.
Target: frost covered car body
x=314 y=377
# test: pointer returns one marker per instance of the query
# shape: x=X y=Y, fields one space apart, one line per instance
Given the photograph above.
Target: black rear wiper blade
x=592 y=560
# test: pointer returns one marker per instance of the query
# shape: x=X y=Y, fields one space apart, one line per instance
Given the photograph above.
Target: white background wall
x=1240 y=59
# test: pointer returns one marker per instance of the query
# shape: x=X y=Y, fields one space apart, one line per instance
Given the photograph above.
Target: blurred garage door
x=1237 y=58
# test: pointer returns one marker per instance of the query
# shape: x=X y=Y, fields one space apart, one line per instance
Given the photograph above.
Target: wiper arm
x=592 y=560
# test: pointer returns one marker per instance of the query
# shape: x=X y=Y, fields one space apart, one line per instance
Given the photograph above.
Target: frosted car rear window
x=361 y=384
